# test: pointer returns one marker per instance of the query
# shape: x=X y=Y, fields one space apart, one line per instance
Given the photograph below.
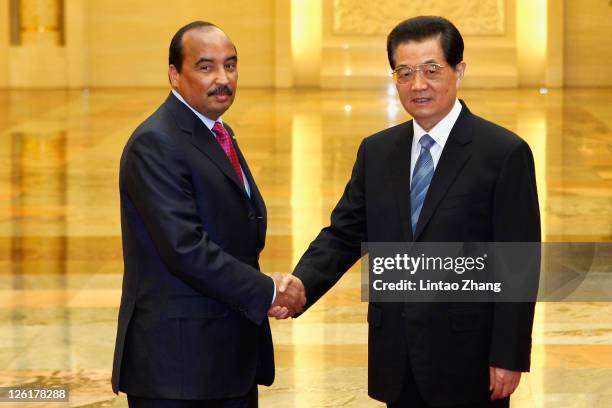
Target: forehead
x=419 y=52
x=209 y=42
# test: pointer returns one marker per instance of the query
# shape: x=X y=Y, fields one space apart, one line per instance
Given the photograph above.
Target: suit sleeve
x=338 y=246
x=158 y=183
x=516 y=218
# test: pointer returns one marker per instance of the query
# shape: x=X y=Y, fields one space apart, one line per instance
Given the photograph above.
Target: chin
x=421 y=112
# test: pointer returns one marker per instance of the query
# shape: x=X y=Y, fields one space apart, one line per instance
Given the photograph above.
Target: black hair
x=175 y=55
x=425 y=27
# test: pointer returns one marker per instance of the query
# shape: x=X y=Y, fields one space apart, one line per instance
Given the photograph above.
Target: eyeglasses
x=406 y=73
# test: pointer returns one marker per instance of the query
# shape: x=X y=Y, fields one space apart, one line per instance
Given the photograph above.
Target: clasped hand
x=502 y=382
x=290 y=296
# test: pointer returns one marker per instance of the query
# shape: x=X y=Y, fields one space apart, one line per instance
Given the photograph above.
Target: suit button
x=251 y=216
x=403 y=315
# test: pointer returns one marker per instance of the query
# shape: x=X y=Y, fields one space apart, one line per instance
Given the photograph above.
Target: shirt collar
x=442 y=129
x=209 y=123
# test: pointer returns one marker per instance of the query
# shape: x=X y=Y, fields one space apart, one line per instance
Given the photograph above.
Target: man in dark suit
x=193 y=328
x=445 y=176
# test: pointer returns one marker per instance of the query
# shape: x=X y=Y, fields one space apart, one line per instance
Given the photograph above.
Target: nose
x=418 y=83
x=222 y=76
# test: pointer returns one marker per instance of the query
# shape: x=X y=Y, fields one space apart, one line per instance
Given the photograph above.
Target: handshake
x=290 y=296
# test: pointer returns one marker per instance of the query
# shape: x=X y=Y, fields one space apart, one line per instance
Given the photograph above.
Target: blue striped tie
x=421 y=177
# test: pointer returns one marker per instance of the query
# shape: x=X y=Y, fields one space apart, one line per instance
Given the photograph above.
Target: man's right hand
x=290 y=296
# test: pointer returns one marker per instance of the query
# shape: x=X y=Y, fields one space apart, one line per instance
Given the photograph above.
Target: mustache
x=221 y=89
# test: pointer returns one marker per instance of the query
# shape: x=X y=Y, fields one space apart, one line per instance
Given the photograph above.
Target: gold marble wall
x=354 y=54
x=588 y=49
x=127 y=42
x=474 y=17
x=113 y=43
x=41 y=22
x=43 y=47
x=304 y=43
x=4 y=43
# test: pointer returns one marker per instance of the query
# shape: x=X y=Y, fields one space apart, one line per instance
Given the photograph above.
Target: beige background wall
x=588 y=43
x=127 y=41
x=4 y=43
x=354 y=53
x=327 y=43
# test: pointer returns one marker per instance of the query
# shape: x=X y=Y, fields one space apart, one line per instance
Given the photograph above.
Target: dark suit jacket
x=193 y=317
x=483 y=190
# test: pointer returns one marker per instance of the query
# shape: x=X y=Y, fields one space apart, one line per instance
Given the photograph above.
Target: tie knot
x=426 y=141
x=220 y=131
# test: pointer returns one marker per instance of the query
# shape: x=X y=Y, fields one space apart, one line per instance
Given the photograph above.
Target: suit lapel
x=256 y=198
x=255 y=194
x=454 y=156
x=400 y=178
x=202 y=138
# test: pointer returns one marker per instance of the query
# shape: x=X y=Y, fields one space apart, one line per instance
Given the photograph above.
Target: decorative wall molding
x=364 y=17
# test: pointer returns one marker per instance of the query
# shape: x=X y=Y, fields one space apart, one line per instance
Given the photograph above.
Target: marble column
x=41 y=22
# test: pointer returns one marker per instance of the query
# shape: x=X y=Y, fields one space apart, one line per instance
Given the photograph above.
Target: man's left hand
x=502 y=382
x=290 y=296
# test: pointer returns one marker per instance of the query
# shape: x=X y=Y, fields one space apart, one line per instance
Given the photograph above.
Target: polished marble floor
x=60 y=251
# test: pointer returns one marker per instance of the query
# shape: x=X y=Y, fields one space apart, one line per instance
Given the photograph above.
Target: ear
x=173 y=76
x=460 y=71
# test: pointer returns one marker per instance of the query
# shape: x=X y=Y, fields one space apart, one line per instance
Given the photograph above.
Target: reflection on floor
x=60 y=252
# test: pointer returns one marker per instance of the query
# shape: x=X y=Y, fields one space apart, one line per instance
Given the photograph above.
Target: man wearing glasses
x=445 y=176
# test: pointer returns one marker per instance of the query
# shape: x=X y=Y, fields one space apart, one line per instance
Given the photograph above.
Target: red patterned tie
x=224 y=140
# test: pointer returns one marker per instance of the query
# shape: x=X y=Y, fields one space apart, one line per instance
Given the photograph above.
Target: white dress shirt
x=439 y=133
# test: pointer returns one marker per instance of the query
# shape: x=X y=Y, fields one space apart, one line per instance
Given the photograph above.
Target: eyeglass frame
x=415 y=68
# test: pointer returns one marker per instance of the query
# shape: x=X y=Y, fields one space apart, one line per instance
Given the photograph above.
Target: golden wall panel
x=472 y=17
x=41 y=22
x=587 y=45
x=4 y=42
x=127 y=42
x=27 y=71
x=76 y=45
x=39 y=15
x=555 y=44
x=283 y=58
x=531 y=47
x=40 y=39
x=360 y=61
x=306 y=42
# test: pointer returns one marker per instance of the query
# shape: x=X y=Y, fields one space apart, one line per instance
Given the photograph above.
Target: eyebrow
x=233 y=58
x=203 y=59
x=429 y=61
